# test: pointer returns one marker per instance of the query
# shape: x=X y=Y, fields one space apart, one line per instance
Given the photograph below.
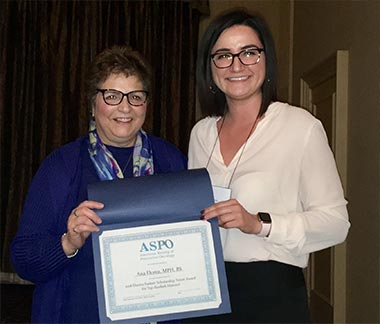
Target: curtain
x=46 y=47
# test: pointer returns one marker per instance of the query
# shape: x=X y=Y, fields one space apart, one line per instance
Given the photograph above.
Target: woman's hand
x=231 y=214
x=81 y=223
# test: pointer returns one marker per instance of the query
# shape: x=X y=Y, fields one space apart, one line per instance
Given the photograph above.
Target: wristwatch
x=266 y=222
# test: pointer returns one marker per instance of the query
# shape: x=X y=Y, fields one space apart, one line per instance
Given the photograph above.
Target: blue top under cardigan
x=36 y=252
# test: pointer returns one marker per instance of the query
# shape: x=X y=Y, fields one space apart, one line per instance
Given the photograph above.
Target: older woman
x=52 y=247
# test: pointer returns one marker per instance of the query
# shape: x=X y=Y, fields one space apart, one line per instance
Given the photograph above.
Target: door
x=324 y=93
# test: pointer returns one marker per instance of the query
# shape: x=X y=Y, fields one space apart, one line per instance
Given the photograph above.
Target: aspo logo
x=156 y=245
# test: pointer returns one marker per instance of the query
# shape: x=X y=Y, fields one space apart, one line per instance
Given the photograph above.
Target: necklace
x=216 y=141
x=126 y=165
x=241 y=153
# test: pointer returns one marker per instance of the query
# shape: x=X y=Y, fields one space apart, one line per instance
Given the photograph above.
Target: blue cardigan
x=36 y=250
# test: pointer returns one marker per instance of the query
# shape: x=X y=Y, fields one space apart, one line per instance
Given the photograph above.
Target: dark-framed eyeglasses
x=114 y=97
x=249 y=56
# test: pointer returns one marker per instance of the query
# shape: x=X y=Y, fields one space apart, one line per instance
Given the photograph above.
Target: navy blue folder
x=151 y=200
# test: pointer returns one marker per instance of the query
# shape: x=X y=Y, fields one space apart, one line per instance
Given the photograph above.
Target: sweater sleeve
x=36 y=250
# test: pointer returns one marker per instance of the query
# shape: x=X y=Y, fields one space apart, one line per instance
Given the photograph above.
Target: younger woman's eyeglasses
x=249 y=56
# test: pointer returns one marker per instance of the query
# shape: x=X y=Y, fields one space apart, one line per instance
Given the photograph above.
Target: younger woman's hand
x=231 y=214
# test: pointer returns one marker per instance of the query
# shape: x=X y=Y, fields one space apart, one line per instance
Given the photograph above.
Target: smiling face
x=118 y=125
x=239 y=82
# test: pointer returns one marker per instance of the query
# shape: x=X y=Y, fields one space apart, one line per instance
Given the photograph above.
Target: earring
x=268 y=80
x=212 y=89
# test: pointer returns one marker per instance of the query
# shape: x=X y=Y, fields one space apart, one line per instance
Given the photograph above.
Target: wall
x=321 y=28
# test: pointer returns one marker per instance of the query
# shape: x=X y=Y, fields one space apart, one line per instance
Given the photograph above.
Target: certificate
x=155 y=260
x=152 y=271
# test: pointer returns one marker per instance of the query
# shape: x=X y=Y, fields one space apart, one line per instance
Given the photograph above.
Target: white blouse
x=288 y=170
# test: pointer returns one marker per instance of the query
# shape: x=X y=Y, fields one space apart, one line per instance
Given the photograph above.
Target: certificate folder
x=155 y=260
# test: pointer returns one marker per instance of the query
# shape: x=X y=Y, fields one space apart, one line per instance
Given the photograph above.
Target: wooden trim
x=336 y=65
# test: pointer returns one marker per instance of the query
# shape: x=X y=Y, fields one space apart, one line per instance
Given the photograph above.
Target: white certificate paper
x=159 y=269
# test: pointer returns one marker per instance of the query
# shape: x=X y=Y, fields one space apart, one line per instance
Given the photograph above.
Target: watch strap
x=265 y=229
x=266 y=224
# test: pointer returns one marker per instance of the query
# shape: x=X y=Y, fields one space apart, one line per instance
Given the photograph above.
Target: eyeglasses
x=249 y=56
x=114 y=97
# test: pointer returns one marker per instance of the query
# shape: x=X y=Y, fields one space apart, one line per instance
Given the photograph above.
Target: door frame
x=336 y=65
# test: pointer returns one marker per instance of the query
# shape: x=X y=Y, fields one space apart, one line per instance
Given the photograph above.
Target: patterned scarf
x=106 y=165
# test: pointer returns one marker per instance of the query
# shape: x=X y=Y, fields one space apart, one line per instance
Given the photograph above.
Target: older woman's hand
x=82 y=221
x=231 y=214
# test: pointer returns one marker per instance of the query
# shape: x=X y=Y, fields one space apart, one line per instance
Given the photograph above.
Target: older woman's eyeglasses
x=114 y=97
x=249 y=56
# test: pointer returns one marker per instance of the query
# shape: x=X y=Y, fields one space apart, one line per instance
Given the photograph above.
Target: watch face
x=265 y=217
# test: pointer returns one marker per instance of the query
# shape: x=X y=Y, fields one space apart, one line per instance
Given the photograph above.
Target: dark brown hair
x=118 y=60
x=213 y=101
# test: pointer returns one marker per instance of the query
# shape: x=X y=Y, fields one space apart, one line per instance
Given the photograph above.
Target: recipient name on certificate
x=159 y=269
